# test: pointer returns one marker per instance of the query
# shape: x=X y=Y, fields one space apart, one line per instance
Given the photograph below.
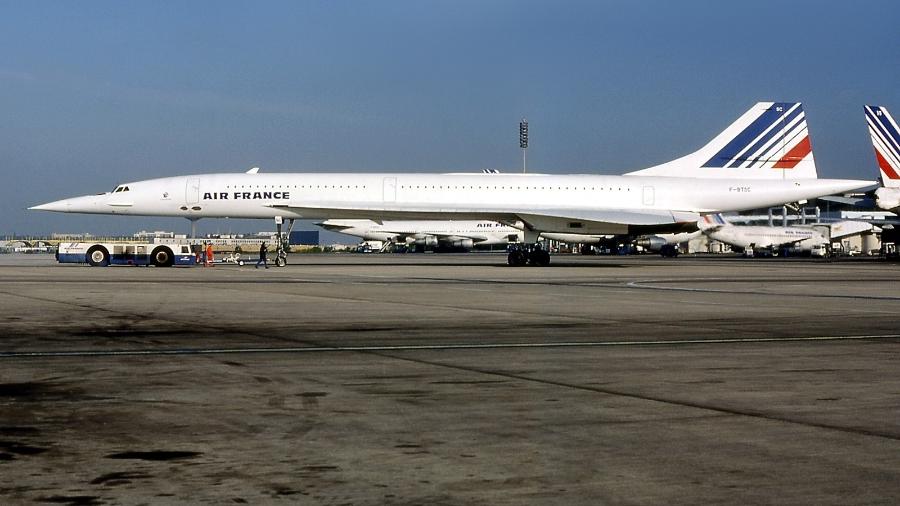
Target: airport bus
x=102 y=254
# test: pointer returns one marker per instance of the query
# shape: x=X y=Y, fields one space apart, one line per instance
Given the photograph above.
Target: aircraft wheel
x=669 y=250
x=516 y=258
x=539 y=258
x=280 y=261
x=545 y=259
x=97 y=256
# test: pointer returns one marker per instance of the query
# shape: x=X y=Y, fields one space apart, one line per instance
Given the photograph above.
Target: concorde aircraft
x=754 y=239
x=762 y=159
x=886 y=140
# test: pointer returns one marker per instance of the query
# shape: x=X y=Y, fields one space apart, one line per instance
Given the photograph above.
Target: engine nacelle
x=887 y=198
x=465 y=244
x=651 y=242
x=426 y=241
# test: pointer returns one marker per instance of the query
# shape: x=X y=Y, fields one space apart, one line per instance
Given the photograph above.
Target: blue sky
x=95 y=93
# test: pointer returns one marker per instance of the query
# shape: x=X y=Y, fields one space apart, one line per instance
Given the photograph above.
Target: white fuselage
x=430 y=196
x=801 y=238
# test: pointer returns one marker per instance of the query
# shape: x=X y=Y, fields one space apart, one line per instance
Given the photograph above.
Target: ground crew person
x=209 y=256
x=263 y=249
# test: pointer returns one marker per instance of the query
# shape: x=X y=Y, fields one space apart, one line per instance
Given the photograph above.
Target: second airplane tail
x=886 y=141
x=769 y=141
x=711 y=222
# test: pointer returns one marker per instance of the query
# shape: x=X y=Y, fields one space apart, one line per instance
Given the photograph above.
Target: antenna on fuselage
x=254 y=170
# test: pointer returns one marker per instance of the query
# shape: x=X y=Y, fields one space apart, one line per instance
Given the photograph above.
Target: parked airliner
x=429 y=234
x=886 y=140
x=444 y=234
x=762 y=159
x=754 y=239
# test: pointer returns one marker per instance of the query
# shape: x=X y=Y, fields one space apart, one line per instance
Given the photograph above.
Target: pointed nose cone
x=58 y=206
x=86 y=204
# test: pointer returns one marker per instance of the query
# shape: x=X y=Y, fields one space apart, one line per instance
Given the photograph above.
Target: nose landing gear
x=282 y=241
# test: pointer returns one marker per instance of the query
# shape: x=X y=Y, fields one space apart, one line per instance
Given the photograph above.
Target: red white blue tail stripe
x=778 y=138
x=715 y=219
x=886 y=141
x=770 y=135
x=710 y=222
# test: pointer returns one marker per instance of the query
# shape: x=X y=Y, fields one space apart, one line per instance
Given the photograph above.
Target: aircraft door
x=390 y=189
x=192 y=190
x=649 y=196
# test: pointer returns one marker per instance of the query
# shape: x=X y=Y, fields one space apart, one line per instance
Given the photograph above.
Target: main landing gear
x=282 y=241
x=528 y=254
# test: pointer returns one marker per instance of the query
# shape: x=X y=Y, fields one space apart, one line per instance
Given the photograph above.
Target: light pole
x=523 y=140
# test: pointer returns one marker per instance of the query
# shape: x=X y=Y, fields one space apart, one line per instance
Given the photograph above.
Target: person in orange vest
x=209 y=256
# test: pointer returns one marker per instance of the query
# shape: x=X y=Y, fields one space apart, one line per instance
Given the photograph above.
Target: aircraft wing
x=788 y=242
x=606 y=221
x=864 y=202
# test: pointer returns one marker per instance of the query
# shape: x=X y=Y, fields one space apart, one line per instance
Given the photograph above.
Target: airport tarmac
x=451 y=379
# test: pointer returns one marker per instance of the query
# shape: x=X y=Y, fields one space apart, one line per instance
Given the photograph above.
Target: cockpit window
x=120 y=189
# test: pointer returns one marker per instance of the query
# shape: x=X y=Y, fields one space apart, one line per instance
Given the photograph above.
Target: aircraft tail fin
x=711 y=222
x=769 y=141
x=886 y=141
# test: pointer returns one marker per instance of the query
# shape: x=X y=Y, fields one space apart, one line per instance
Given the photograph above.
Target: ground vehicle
x=102 y=254
x=818 y=250
x=233 y=258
